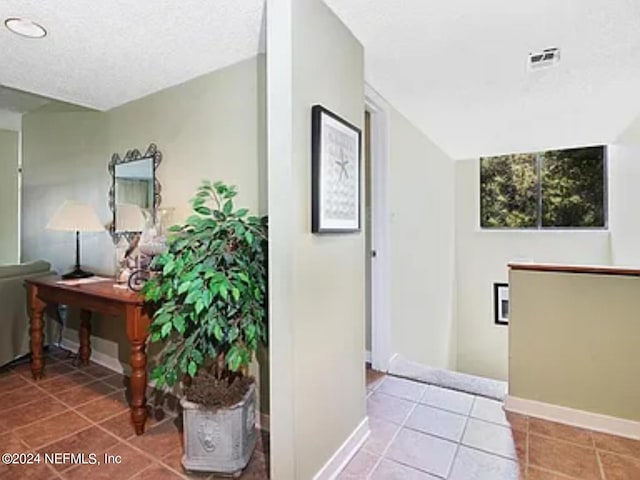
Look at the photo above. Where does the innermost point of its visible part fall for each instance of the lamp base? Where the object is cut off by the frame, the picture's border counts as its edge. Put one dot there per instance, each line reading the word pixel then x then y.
pixel 77 273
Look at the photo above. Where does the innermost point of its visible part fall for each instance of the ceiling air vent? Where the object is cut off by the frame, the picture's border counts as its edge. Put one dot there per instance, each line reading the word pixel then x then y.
pixel 546 58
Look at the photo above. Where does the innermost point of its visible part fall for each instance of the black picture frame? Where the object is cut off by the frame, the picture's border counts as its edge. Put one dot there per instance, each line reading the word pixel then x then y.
pixel 500 317
pixel 320 116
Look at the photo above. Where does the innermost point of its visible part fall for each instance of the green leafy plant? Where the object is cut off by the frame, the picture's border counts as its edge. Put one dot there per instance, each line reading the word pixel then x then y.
pixel 210 291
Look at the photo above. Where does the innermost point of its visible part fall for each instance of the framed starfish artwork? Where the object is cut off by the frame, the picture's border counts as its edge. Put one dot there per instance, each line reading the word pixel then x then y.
pixel 335 158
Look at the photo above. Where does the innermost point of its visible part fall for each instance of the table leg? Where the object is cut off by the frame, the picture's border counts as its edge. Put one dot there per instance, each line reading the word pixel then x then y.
pixel 137 331
pixel 36 331
pixel 84 353
pixel 138 385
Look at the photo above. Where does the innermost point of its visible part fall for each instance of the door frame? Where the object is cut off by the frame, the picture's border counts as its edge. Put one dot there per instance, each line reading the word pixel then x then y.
pixel 380 236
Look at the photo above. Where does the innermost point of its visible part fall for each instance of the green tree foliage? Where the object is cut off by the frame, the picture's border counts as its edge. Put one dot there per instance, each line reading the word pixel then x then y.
pixel 210 291
pixel 573 188
pixel 508 191
pixel 559 188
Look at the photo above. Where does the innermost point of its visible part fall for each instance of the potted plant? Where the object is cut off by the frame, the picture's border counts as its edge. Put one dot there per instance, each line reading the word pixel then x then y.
pixel 209 293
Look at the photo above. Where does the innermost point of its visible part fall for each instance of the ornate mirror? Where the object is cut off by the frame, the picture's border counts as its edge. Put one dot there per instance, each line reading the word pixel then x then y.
pixel 134 190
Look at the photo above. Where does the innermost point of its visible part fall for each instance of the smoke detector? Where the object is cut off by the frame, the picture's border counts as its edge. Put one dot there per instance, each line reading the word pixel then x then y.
pixel 543 59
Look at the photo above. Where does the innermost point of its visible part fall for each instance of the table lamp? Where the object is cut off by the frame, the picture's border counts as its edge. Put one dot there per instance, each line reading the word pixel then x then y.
pixel 75 217
pixel 129 218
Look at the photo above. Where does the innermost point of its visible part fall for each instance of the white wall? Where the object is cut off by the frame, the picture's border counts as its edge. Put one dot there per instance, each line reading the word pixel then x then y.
pixel 624 197
pixel 316 281
pixel 9 205
pixel 481 259
pixel 421 200
pixel 10 120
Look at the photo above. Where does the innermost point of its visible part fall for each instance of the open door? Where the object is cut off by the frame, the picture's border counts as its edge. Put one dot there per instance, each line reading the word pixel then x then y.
pixel 368 230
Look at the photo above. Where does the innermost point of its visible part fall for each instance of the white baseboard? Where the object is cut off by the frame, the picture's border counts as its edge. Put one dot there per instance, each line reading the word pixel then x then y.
pixel 103 359
pixel 347 450
pixel 578 418
pixel 367 356
pixel 392 359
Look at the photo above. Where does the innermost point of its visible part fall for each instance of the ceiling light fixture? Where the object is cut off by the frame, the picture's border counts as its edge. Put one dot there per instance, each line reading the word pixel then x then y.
pixel 25 28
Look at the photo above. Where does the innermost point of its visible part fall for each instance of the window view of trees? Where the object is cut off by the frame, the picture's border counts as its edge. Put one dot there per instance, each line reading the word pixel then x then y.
pixel 553 189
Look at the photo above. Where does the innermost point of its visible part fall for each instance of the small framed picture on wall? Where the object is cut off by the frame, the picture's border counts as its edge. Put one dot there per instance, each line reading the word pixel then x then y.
pixel 501 303
pixel 335 158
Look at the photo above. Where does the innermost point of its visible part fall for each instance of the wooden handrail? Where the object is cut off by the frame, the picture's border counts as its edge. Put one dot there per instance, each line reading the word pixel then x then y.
pixel 588 269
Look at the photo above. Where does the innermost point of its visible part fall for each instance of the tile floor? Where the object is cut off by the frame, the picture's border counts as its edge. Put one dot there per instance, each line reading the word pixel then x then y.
pixel 421 432
pixel 85 409
pixel 418 432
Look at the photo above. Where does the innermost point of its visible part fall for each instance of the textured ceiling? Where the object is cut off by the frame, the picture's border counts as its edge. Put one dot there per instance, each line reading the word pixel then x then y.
pixel 101 54
pixel 457 69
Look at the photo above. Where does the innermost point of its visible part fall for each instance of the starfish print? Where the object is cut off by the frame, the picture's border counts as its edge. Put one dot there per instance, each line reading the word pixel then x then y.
pixel 343 165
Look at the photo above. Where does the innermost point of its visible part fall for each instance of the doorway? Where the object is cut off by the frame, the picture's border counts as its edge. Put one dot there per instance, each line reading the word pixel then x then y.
pixel 369 252
pixel 376 229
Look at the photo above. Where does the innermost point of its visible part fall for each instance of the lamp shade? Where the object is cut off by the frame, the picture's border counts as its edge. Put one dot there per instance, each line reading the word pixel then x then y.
pixel 129 218
pixel 75 217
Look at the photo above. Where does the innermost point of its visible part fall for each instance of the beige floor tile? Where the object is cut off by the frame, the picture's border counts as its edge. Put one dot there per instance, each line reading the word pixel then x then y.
pixel 473 464
pixel 437 422
pixel 423 452
pixel 389 470
pixel 401 388
pixel 382 432
pixel 360 466
pixel 489 410
pixel 447 399
pixel 489 437
pixel 387 407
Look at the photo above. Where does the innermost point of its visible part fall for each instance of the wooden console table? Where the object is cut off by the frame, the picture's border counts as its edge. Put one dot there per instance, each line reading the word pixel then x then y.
pixel 100 297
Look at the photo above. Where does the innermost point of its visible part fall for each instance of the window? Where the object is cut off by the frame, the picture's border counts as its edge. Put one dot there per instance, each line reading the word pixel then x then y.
pixel 553 189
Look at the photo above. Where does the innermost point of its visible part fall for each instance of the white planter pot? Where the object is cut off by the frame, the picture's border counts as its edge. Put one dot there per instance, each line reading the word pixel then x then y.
pixel 219 440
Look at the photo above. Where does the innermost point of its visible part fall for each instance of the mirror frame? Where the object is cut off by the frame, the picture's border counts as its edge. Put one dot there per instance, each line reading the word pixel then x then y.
pixel 133 155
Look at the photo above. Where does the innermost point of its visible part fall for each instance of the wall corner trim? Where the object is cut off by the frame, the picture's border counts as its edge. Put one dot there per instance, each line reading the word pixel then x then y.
pixel 578 418
pixel 263 421
pixel 345 453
